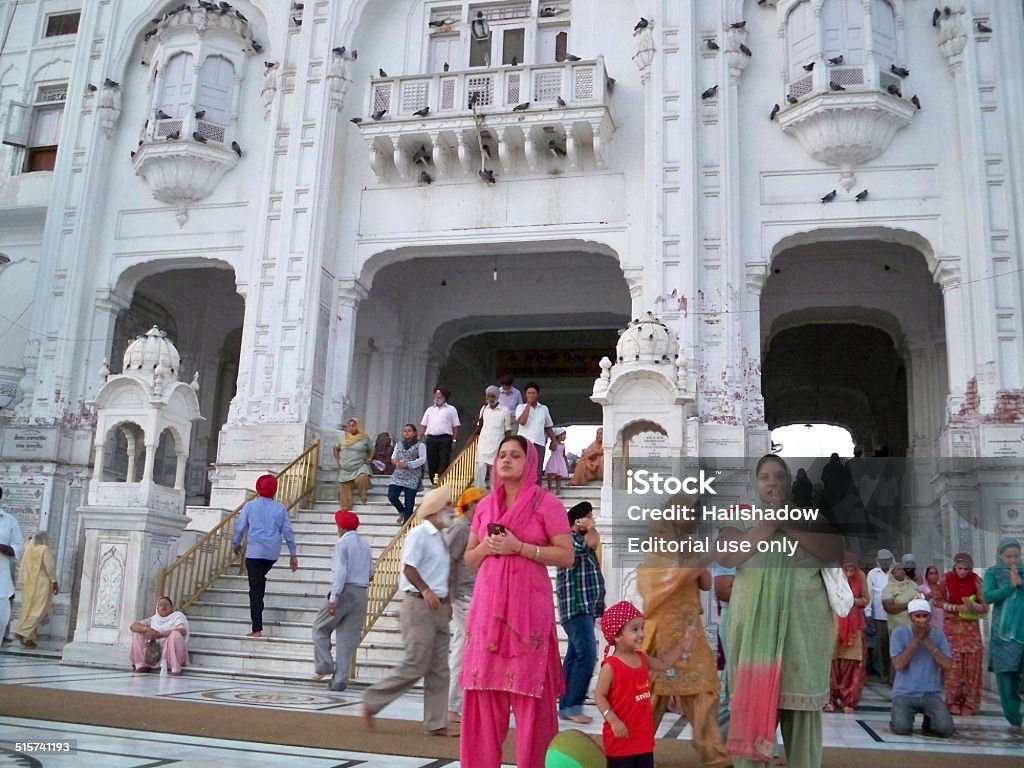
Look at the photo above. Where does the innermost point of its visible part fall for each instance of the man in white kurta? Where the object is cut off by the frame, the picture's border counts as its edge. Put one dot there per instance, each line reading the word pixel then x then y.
pixel 494 424
pixel 12 547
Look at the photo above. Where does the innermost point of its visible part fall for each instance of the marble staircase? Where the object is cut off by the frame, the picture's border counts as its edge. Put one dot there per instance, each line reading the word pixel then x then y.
pixel 219 620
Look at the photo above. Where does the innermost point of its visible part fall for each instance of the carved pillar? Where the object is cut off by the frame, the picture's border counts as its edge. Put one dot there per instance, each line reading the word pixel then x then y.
pixel 343 364
pixel 977 321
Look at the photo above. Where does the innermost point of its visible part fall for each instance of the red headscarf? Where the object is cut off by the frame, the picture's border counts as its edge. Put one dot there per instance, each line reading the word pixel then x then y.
pixel 266 486
pixel 346 520
pixel 615 618
pixel 958 589
pixel 853 622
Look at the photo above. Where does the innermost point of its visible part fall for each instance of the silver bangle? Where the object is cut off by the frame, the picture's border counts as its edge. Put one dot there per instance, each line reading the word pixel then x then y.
pixel 604 714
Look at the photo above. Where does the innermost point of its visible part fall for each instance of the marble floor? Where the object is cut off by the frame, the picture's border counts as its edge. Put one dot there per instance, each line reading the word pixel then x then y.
pixel 113 748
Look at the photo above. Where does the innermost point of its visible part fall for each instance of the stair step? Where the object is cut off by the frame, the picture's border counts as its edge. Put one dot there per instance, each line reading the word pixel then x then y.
pixel 220 618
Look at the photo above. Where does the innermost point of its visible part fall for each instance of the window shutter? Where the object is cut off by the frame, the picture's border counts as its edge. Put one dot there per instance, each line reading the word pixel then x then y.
pixel 843 26
pixel 17 124
pixel 216 86
pixel 46 126
pixel 801 38
pixel 883 29
pixel 446 48
pixel 176 99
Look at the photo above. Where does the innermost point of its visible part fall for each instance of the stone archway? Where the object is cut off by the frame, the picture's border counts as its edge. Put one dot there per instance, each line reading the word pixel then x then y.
pixel 457 320
pixel 202 312
pixel 853 333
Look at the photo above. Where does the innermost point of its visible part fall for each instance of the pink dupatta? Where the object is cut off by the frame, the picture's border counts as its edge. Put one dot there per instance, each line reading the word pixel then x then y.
pixel 511 638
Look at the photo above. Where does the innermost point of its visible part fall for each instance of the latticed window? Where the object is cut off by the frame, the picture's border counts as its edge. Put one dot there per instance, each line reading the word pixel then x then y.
pixel 482 88
pixel 547 86
pixel 415 95
pixel 381 97
pixel 583 83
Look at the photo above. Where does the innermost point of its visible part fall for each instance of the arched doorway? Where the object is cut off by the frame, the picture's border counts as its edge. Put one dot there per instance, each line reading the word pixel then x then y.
pixel 202 313
pixel 462 321
pixel 853 333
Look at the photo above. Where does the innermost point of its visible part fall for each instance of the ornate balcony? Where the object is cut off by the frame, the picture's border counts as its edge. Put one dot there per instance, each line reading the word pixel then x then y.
pixel 565 125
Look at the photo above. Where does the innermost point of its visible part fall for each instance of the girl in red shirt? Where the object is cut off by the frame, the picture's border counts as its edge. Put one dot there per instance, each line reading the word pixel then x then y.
pixel 624 689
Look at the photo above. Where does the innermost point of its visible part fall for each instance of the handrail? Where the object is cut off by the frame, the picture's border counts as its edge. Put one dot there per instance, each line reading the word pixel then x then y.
pixel 211 557
pixel 386 570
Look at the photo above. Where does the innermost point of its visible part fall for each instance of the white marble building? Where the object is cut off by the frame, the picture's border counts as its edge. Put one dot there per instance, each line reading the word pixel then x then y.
pixel 298 194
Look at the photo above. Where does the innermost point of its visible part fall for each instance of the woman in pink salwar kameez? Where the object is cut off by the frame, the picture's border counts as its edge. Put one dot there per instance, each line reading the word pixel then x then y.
pixel 510 659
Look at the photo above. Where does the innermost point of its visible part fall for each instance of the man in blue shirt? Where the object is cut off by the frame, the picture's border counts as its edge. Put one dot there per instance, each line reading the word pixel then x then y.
pixel 266 521
pixel 920 655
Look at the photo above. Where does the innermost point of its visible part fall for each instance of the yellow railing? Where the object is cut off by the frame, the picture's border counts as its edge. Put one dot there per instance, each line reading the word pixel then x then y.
pixel 459 476
pixel 211 557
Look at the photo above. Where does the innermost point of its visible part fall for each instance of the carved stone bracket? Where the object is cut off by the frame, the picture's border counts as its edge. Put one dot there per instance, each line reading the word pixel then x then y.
pixel 846 130
pixel 108 108
pixel 643 57
pixel 734 55
pixel 338 81
pixel 952 37
pixel 181 173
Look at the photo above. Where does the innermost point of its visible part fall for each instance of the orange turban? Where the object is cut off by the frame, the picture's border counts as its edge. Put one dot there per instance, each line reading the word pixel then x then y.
pixel 468 496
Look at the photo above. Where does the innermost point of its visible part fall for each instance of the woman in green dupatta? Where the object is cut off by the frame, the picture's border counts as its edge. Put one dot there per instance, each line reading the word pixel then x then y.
pixel 780 632
pixel 1003 589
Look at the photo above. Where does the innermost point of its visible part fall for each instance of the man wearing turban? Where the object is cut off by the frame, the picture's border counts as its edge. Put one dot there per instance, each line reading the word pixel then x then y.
pixel 264 522
pixel 345 612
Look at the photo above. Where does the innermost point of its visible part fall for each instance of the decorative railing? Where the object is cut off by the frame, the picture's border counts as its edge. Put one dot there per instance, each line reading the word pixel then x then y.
pixel 539 118
pixel 387 568
pixel 495 89
pixel 211 557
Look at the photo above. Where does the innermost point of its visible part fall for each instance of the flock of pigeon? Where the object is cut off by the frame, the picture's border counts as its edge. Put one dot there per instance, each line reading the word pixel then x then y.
pixel 423 158
pixel 836 61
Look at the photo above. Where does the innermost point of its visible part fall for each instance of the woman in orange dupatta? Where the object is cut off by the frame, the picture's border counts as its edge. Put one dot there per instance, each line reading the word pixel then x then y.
pixel 510 658
pixel 848 670
pixel 670 588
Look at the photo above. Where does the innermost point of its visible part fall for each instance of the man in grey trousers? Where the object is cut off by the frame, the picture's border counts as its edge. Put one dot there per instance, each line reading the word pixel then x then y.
pixel 345 612
pixel 424 616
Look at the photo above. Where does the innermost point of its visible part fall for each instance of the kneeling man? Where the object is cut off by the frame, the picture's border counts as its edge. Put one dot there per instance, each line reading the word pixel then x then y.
pixel 920 655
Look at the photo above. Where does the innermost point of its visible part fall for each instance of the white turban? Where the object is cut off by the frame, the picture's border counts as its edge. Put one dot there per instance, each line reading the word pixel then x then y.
pixel 919 604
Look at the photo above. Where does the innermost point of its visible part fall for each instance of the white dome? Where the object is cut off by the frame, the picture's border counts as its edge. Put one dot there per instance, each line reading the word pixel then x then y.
pixel 647 340
pixel 147 352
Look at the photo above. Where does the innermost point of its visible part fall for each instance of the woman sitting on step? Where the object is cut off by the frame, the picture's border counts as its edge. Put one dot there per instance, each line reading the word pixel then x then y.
pixel 160 639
